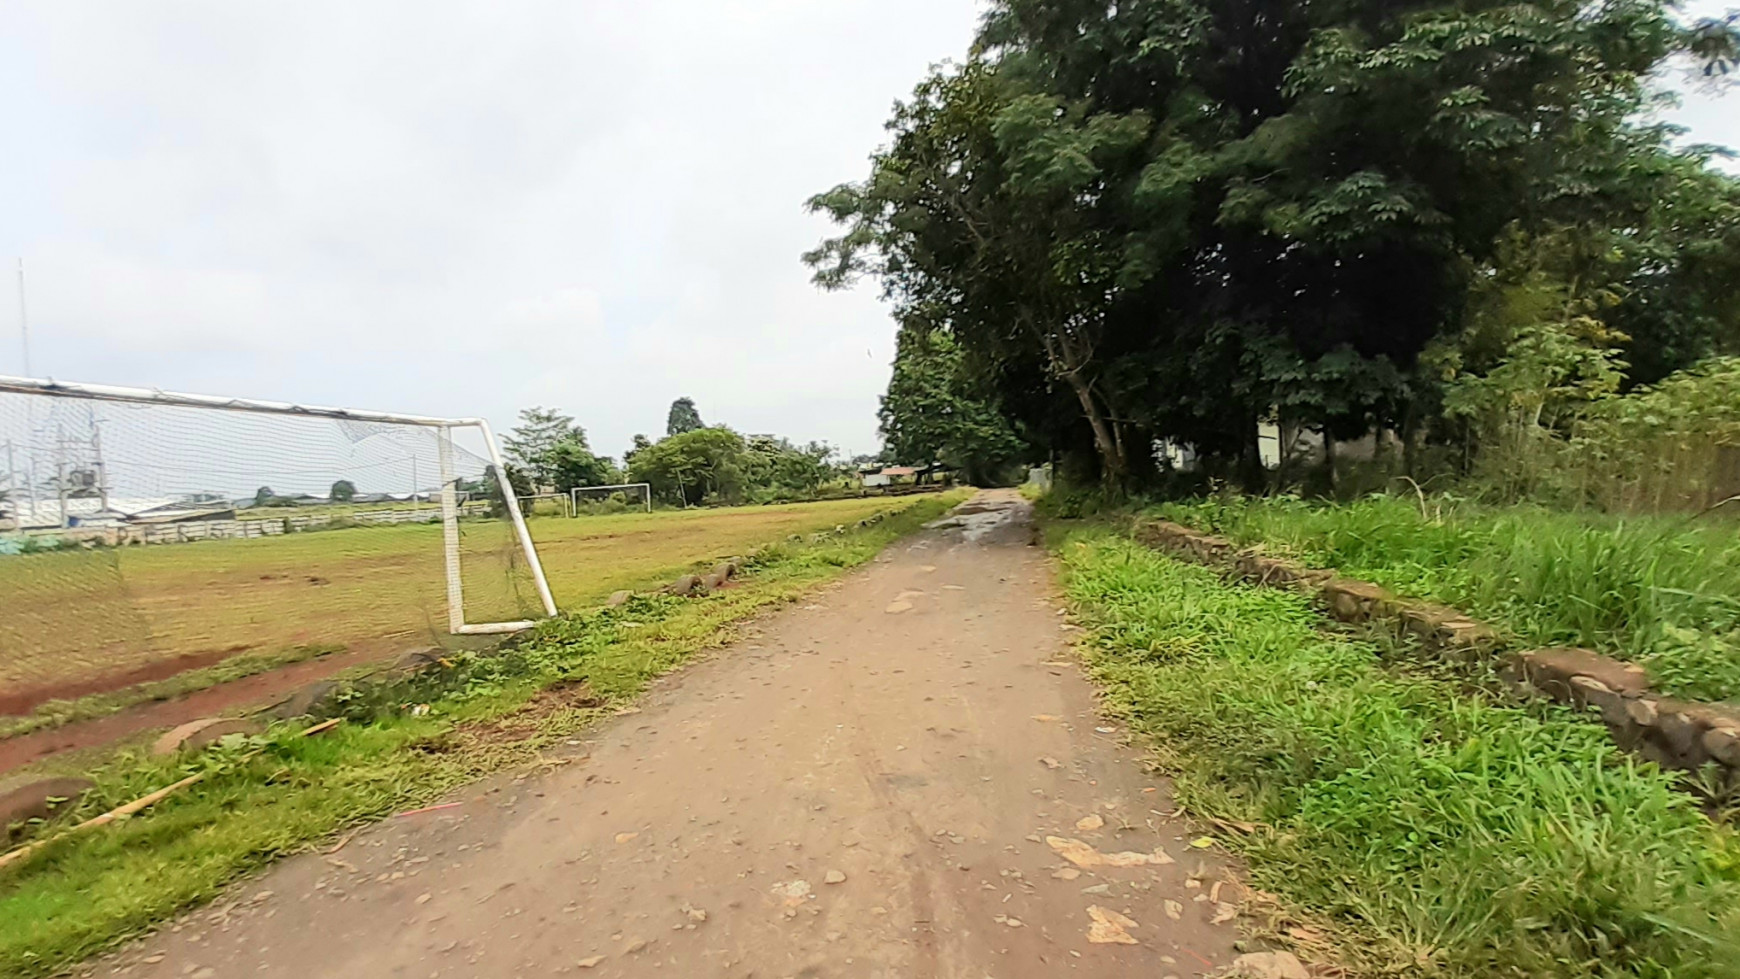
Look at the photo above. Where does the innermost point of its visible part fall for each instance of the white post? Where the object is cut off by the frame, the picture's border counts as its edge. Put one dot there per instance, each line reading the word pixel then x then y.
pixel 450 532
pixel 23 318
pixel 60 475
pixel 102 468
pixel 513 509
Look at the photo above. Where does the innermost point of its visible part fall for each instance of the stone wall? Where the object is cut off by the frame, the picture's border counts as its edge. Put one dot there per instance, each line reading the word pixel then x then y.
pixel 1671 732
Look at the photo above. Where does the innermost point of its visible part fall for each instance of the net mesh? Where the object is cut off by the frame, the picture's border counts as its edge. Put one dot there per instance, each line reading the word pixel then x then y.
pixel 139 540
pixel 590 500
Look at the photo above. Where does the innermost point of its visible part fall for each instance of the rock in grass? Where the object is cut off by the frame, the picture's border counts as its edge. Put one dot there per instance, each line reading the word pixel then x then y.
pixel 1269 965
pixel 685 585
pixel 618 599
pixel 42 798
pixel 416 661
pixel 306 701
pixel 195 735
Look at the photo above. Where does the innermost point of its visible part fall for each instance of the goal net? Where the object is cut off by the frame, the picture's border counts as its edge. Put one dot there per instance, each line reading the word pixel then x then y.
pixel 588 500
pixel 143 533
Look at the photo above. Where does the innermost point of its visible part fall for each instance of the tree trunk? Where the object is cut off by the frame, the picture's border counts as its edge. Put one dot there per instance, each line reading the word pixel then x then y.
pixel 1410 454
pixel 1252 473
pixel 1329 457
pixel 1111 459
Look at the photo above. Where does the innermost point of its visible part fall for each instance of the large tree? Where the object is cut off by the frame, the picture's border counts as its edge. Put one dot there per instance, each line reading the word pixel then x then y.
pixel 552 451
pixel 937 410
pixel 683 417
pixel 692 467
pixel 1176 218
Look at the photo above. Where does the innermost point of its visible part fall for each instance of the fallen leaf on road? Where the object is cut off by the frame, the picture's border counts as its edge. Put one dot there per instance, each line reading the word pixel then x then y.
pixel 1082 855
pixel 590 961
pixel 1089 822
pixel 1174 910
pixel 795 892
pixel 694 914
pixel 1051 763
pixel 425 898
pixel 1046 718
pixel 1202 842
pixel 834 877
pixel 1223 913
pixel 634 946
pixel 1065 873
pixel 1214 892
pixel 1004 919
pixel 1108 927
pixel 1270 965
pixel 625 837
pixel 895 608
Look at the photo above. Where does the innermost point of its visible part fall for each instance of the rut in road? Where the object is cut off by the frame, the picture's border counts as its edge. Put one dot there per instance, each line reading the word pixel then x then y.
pixel 898 779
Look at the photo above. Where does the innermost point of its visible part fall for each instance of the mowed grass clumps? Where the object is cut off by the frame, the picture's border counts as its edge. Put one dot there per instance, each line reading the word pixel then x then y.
pixel 270 796
pixel 1450 834
pixel 1660 591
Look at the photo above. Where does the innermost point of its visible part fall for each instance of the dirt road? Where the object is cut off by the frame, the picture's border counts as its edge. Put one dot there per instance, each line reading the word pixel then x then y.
pixel 896 780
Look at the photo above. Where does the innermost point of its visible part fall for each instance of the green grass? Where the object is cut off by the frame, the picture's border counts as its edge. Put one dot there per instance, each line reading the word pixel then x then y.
pixel 1447 834
pixel 271 796
pixel 1661 591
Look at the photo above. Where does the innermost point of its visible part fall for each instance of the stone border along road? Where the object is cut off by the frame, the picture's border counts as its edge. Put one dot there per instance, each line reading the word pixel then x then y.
pixel 903 778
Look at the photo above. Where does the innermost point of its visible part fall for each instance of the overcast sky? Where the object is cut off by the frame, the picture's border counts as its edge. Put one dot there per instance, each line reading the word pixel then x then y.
pixel 465 208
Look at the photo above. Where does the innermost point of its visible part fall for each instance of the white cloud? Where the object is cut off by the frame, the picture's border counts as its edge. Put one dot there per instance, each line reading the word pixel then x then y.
pixel 458 208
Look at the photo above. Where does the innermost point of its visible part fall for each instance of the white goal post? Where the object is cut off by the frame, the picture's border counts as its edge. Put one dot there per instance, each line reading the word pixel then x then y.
pixel 441 428
pixel 574 494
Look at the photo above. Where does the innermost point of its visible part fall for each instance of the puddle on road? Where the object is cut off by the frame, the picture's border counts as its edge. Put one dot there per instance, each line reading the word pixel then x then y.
pixel 975 520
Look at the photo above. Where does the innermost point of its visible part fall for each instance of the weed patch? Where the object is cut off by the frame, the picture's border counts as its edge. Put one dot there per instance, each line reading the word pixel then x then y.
pixel 1452 833
pixel 1660 591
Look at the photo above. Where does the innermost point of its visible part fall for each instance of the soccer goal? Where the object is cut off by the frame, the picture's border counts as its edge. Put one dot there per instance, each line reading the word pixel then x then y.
pixel 139 526
pixel 584 499
pixel 562 505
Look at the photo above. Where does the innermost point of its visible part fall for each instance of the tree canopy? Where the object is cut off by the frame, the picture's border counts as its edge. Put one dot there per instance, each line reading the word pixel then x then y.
pixel 684 417
pixel 343 491
pixel 552 451
pixel 1170 219
pixel 937 410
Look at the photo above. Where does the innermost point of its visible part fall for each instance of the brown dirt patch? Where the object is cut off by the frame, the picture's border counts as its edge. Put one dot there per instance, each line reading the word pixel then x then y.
pixel 19 702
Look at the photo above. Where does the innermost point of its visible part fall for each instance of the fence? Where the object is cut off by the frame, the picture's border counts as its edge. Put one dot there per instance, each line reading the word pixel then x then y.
pixel 197 530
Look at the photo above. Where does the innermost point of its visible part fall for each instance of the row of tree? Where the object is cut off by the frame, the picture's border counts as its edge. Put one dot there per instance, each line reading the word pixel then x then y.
pixel 694 463
pixel 1120 224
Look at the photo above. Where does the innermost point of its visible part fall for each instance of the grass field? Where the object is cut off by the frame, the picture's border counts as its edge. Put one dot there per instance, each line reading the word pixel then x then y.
pixel 1439 831
pixel 72 617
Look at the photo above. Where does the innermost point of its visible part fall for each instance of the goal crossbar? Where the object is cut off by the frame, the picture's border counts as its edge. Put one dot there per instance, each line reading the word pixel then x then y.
pixel 449 495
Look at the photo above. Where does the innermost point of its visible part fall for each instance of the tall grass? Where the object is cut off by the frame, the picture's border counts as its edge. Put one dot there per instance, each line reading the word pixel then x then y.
pixel 1662 591
pixel 1453 836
